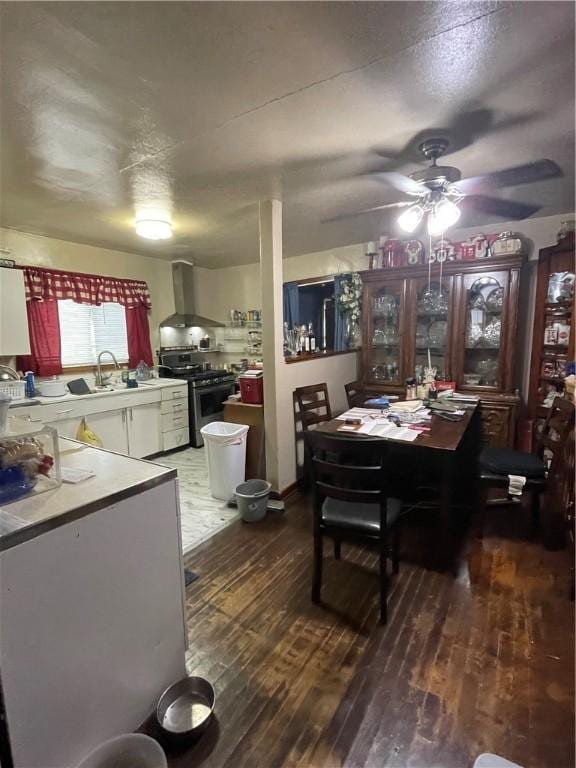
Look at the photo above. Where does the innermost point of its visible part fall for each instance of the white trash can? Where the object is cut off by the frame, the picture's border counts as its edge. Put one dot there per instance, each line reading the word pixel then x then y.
pixel 126 751
pixel 226 455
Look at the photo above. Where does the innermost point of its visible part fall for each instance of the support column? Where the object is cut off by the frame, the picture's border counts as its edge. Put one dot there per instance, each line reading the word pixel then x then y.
pixel 270 220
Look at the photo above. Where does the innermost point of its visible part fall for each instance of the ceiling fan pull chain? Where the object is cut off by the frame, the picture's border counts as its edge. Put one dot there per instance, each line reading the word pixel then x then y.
pixel 441 259
pixel 429 261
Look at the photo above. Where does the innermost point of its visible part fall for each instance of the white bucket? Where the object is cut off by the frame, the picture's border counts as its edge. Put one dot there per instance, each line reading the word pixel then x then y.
pixel 226 456
pixel 126 751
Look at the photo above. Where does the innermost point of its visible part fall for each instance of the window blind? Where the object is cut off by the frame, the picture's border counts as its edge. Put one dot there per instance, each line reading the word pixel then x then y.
pixel 85 330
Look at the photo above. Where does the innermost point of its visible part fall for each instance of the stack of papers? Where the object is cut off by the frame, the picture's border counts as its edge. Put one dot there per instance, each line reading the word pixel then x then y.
pixel 406 406
pixel 391 432
pixel 382 428
pixel 359 413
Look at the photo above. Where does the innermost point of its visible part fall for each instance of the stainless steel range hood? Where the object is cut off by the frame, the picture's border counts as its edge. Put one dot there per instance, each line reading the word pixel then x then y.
pixel 185 316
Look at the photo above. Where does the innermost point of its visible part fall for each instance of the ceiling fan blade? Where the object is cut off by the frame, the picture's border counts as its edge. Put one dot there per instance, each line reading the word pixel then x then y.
pixel 343 216
pixel 507 209
pixel 399 181
pixel 540 170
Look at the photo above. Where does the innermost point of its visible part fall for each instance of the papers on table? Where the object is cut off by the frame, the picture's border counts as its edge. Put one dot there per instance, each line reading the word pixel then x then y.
pixel 391 431
pixel 376 424
pixel 359 413
pixel 406 406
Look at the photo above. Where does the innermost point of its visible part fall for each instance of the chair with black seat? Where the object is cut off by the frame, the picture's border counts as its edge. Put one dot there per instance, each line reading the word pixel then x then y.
pixel 351 501
pixel 496 464
pixel 313 405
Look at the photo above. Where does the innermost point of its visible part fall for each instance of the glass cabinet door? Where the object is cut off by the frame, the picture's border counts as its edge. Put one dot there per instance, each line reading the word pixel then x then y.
pixel 485 299
pixel 385 331
pixel 433 304
pixel 557 344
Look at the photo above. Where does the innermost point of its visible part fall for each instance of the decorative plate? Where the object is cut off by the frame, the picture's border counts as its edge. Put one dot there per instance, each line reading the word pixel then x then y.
pixel 482 249
pixel 495 299
pixel 414 251
pixel 477 301
pixel 491 335
pixel 473 335
pixel 443 251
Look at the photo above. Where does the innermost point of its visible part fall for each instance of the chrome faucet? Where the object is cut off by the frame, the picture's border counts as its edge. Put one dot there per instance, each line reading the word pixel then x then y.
pixel 103 379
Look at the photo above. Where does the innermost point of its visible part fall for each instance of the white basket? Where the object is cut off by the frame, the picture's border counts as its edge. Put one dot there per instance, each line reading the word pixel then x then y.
pixel 14 389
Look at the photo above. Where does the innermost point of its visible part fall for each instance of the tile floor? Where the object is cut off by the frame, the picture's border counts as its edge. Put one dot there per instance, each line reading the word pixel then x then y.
pixel 202 515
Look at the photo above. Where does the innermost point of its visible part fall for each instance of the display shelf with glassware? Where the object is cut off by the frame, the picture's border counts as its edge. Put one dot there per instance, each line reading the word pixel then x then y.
pixel 386 310
pixel 553 334
pixel 458 319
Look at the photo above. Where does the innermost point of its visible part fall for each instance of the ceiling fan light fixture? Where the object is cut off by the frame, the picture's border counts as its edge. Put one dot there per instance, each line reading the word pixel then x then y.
pixel 443 215
pixel 411 218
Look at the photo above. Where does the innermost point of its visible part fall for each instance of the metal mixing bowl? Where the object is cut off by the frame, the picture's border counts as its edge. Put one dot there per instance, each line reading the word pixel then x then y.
pixel 185 708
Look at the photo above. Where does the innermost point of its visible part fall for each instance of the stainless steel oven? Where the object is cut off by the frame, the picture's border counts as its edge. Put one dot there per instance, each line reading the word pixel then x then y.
pixel 207 405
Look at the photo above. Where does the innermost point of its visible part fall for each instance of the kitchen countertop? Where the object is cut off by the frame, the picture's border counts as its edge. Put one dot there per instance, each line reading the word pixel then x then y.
pixel 120 390
pixel 116 477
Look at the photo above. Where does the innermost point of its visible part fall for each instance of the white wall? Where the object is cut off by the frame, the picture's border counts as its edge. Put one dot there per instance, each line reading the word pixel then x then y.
pixel 336 372
pixel 60 254
pixel 219 290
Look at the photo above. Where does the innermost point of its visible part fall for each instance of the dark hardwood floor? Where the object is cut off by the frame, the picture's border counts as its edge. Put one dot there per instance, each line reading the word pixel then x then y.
pixel 478 663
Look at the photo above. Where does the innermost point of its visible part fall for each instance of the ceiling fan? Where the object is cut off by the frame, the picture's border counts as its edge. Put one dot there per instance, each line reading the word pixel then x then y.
pixel 439 191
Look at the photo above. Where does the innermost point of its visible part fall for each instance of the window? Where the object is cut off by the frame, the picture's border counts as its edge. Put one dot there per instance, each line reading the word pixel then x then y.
pixel 85 330
pixel 312 303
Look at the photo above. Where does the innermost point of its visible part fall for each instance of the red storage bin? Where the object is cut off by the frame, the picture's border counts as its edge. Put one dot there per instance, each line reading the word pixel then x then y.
pixel 252 389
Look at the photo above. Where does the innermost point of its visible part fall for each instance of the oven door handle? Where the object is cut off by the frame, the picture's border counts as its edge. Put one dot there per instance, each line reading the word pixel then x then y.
pixel 212 388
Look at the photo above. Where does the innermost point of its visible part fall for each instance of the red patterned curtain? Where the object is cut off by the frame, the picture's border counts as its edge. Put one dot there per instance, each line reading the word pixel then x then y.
pixel 53 284
pixel 45 287
pixel 44 328
pixel 138 332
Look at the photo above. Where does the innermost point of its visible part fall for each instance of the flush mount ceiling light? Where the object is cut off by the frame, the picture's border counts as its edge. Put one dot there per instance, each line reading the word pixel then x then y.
pixel 153 228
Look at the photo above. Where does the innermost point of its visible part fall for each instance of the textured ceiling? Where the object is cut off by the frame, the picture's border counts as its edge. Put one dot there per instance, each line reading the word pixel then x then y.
pixel 205 108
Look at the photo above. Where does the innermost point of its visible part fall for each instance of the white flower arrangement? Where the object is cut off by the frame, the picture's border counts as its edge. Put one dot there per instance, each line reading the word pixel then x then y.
pixel 350 298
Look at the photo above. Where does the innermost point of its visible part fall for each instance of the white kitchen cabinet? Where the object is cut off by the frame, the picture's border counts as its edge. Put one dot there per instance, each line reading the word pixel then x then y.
pixel 175 438
pixel 14 339
pixel 138 423
pixel 143 422
pixel 111 428
pixel 66 427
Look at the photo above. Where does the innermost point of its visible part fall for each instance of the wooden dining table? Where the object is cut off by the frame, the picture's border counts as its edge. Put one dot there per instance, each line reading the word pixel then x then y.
pixel 449 452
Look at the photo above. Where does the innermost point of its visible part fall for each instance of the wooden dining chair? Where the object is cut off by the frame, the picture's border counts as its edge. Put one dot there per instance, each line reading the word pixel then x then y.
pixel 495 464
pixel 313 405
pixel 355 395
pixel 351 502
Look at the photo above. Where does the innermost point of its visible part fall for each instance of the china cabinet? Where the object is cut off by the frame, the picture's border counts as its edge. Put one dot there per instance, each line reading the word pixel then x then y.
pixel 553 336
pixel 463 322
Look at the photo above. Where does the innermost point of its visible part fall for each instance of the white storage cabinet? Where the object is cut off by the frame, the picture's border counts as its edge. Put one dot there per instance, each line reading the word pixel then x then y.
pixel 138 424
